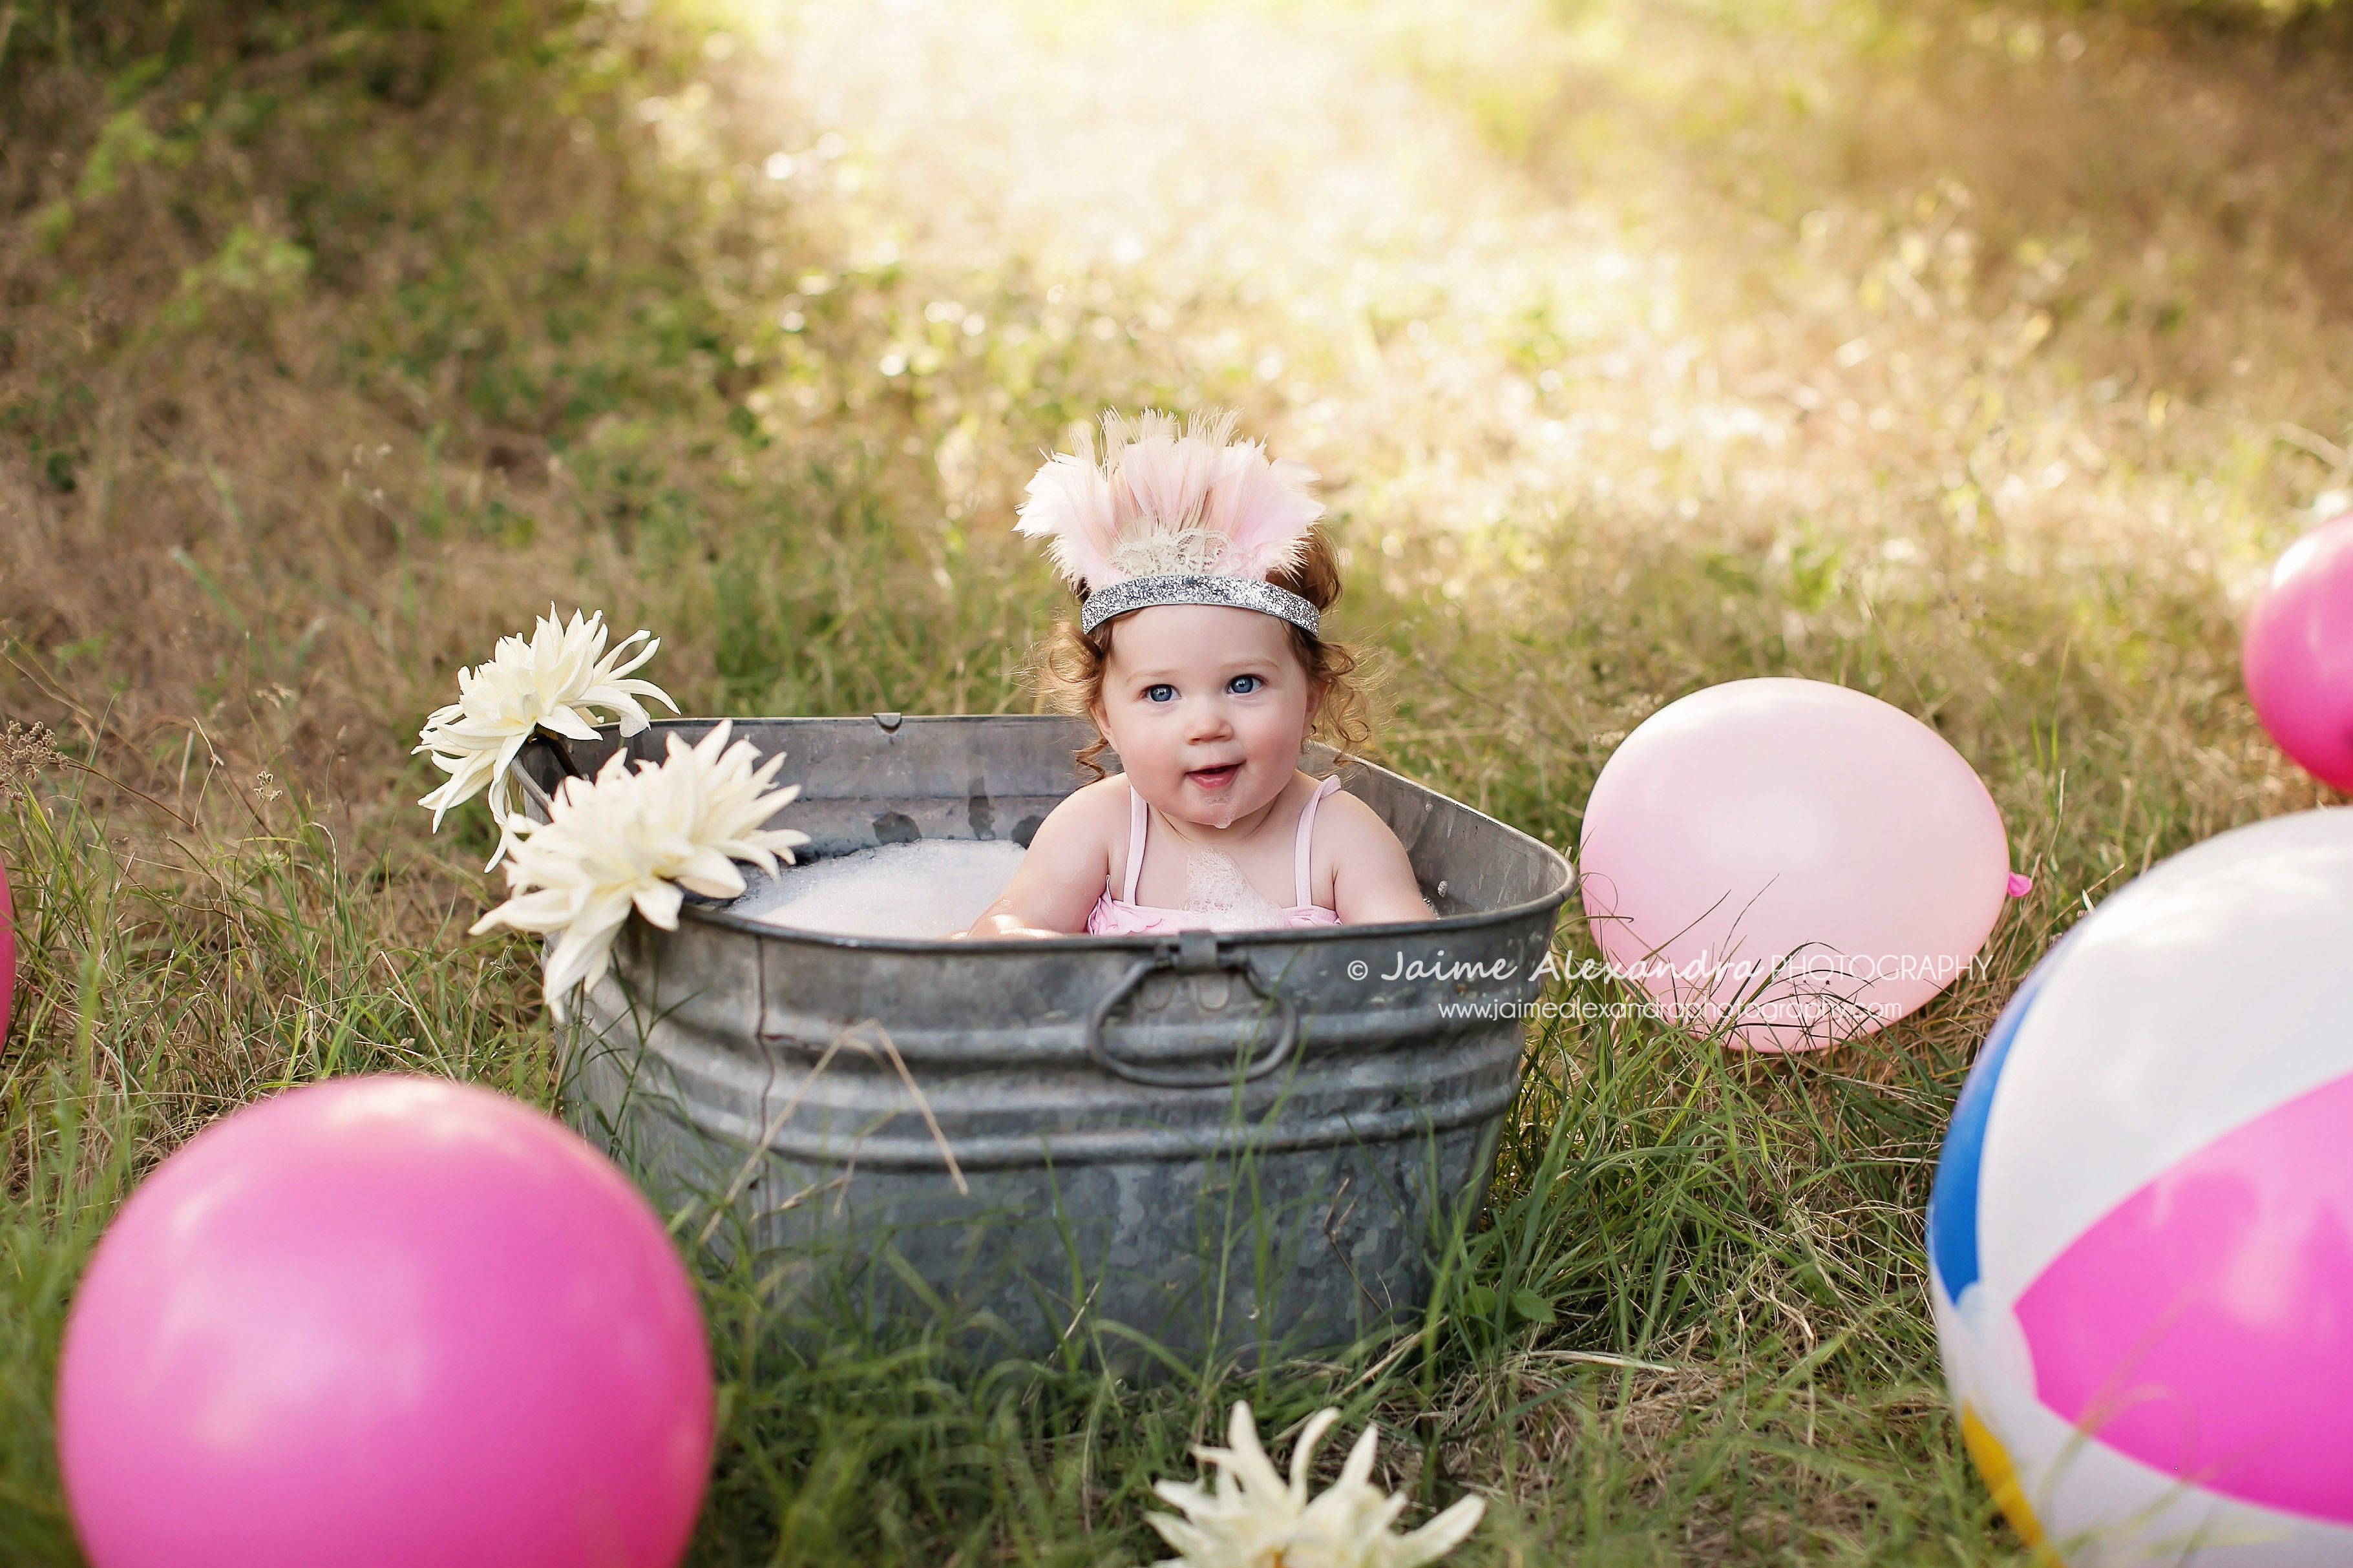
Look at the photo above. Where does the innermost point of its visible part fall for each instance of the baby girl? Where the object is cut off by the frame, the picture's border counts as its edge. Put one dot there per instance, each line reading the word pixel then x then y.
pixel 1200 656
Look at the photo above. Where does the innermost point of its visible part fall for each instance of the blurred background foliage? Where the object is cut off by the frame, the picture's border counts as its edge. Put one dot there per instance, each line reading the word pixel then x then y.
pixel 1978 355
pixel 448 251
pixel 333 327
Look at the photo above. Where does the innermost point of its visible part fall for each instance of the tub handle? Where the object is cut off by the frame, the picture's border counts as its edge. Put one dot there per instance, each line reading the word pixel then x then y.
pixel 1193 952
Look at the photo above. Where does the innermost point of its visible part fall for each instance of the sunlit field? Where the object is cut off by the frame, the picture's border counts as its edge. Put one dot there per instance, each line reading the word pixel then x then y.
pixel 1978 357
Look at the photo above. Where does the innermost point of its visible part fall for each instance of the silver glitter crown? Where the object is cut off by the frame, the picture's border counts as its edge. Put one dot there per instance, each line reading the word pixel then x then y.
pixel 1198 588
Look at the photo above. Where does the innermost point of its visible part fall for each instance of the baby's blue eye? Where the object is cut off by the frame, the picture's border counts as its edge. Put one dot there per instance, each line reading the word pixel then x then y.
pixel 1243 685
pixel 1161 693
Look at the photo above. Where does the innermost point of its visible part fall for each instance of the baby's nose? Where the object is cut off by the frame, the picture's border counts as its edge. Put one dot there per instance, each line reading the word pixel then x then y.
pixel 1210 720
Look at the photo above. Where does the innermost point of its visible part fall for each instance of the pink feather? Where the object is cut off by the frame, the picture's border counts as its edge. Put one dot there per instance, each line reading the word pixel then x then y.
pixel 1264 509
pixel 1070 507
pixel 1150 482
pixel 1163 480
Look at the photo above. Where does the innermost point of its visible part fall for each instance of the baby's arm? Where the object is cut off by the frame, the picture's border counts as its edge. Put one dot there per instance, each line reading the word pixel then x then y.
pixel 1062 874
pixel 1372 880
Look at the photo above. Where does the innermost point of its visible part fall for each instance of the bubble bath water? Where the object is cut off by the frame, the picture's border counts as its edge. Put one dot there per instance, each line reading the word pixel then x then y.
pixel 927 889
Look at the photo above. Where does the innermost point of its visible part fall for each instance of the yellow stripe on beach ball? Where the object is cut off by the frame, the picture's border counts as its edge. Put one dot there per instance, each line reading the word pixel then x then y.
pixel 2002 1479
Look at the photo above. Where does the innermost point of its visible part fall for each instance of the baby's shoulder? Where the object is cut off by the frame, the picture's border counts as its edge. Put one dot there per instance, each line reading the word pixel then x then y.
pixel 1352 821
pixel 1092 811
pixel 1107 793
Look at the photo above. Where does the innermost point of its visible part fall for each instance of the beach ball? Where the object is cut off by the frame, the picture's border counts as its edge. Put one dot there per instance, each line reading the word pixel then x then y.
pixel 384 1323
pixel 2140 1240
pixel 2298 653
pixel 1789 859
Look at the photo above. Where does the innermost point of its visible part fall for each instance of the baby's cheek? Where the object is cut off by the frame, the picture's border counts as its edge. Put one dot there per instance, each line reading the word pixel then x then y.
pixel 1156 760
pixel 1278 731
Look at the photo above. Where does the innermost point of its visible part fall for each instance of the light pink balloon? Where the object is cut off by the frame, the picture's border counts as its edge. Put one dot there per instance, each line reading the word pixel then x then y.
pixel 385 1323
pixel 2298 653
pixel 1804 861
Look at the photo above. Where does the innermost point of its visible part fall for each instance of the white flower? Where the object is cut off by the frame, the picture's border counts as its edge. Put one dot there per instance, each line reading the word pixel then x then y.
pixel 625 840
pixel 1255 1519
pixel 554 682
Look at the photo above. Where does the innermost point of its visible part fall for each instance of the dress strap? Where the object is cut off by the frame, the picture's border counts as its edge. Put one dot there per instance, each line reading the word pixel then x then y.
pixel 1306 833
pixel 1135 819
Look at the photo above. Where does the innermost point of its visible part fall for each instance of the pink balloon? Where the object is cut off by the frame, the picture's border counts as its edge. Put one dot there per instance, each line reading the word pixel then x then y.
pixel 2298 653
pixel 385 1323
pixel 1803 861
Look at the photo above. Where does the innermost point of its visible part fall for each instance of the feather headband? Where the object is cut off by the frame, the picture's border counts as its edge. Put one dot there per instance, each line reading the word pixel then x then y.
pixel 1165 518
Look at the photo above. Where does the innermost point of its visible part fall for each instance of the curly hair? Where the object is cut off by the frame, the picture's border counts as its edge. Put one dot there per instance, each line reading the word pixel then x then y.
pixel 1071 671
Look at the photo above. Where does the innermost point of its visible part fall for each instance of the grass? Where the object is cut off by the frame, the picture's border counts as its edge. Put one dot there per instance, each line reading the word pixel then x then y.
pixel 1644 344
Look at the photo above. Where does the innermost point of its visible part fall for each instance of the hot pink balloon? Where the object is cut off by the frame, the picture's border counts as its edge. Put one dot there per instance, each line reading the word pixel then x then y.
pixel 2298 653
pixel 380 1323
pixel 1803 861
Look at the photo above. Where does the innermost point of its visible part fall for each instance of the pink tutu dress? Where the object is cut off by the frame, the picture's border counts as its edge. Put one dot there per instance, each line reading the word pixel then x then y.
pixel 1124 916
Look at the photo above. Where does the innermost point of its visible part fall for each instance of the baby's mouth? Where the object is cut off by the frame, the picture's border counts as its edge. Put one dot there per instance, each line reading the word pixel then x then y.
pixel 1215 779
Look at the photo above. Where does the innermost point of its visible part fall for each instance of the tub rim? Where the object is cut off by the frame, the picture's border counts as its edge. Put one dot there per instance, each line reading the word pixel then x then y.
pixel 724 920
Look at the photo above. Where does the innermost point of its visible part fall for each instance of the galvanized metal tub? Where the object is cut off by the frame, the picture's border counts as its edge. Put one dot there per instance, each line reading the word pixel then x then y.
pixel 1247 1144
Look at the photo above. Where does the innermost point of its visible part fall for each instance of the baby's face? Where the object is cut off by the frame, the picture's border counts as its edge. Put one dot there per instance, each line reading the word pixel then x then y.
pixel 1207 706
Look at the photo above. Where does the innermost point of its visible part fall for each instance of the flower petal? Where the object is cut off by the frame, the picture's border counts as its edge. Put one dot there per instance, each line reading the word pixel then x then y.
pixel 1302 1451
pixel 1440 1535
